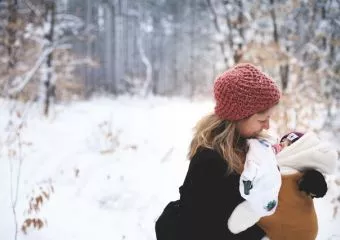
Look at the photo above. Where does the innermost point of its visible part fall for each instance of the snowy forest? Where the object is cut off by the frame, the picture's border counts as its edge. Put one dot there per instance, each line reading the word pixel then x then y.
pixel 90 89
pixel 58 49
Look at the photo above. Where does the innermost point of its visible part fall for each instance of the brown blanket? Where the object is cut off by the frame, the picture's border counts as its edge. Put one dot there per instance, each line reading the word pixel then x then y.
pixel 295 217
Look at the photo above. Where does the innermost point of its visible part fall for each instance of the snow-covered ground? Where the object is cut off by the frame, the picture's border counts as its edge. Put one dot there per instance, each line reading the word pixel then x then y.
pixel 113 165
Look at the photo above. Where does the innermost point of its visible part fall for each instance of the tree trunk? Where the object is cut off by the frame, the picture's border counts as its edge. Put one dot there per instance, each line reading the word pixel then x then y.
pixel 323 17
pixel 48 84
pixel 175 49
pixel 155 53
pixel 88 70
pixel 273 16
pixel 284 75
pixel 238 53
pixel 219 30
pixel 192 77
pixel 332 48
pixel 240 18
pixel 148 66
pixel 109 47
pixel 11 30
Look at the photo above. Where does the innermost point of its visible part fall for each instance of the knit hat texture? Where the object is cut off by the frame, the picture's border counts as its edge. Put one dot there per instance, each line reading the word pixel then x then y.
pixel 243 91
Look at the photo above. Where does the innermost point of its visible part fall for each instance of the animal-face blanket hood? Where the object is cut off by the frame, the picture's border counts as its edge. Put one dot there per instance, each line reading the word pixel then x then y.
pixel 295 216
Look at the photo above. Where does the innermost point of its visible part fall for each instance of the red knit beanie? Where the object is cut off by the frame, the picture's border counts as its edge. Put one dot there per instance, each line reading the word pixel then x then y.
pixel 243 91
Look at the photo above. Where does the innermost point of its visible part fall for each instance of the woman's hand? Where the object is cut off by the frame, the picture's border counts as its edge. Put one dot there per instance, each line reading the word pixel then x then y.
pixel 313 183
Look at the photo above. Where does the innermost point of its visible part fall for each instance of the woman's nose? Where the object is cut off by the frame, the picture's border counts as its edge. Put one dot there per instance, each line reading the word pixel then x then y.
pixel 266 125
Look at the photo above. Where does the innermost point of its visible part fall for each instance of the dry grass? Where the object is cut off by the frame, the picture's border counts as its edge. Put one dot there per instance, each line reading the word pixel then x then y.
pixel 36 202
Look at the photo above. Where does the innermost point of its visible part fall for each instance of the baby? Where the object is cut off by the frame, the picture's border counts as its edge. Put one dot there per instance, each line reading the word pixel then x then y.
pixel 260 180
pixel 286 141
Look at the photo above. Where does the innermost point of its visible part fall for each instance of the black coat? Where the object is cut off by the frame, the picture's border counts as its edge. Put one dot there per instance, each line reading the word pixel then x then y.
pixel 208 197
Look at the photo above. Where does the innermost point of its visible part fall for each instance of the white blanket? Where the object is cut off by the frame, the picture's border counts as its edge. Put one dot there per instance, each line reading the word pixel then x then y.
pixel 309 152
pixel 260 180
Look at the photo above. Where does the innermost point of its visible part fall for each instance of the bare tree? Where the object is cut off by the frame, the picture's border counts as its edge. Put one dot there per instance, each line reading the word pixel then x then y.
pixel 284 63
pixel 48 33
pixel 220 32
pixel 192 49
pixel 11 29
pixel 110 55
pixel 47 78
pixel 273 16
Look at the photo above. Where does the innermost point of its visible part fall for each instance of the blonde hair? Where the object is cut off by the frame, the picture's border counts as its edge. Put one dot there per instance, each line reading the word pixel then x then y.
pixel 220 135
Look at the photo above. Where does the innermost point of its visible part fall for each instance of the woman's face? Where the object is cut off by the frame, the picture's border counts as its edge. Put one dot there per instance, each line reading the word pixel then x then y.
pixel 253 125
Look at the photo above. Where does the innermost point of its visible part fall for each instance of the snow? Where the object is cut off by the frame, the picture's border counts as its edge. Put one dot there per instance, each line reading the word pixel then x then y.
pixel 113 163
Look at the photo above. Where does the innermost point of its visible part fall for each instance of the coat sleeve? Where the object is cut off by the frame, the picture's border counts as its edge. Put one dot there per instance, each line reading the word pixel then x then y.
pixel 208 199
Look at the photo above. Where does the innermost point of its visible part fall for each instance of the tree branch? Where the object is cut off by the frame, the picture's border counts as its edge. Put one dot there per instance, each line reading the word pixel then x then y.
pixel 31 73
pixel 34 9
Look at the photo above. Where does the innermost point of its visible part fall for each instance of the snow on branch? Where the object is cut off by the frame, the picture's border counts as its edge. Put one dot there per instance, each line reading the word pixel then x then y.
pixel 30 74
pixel 34 9
pixel 148 66
pixel 214 15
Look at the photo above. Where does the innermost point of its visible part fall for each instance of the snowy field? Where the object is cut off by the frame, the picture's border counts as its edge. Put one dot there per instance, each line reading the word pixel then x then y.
pixel 112 163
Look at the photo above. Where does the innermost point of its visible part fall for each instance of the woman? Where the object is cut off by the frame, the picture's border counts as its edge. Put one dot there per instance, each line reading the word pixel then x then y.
pixel 245 101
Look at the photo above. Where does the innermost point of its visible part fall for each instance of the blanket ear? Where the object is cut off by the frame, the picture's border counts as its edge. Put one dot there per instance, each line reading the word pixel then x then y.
pixel 242 218
pixel 313 183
